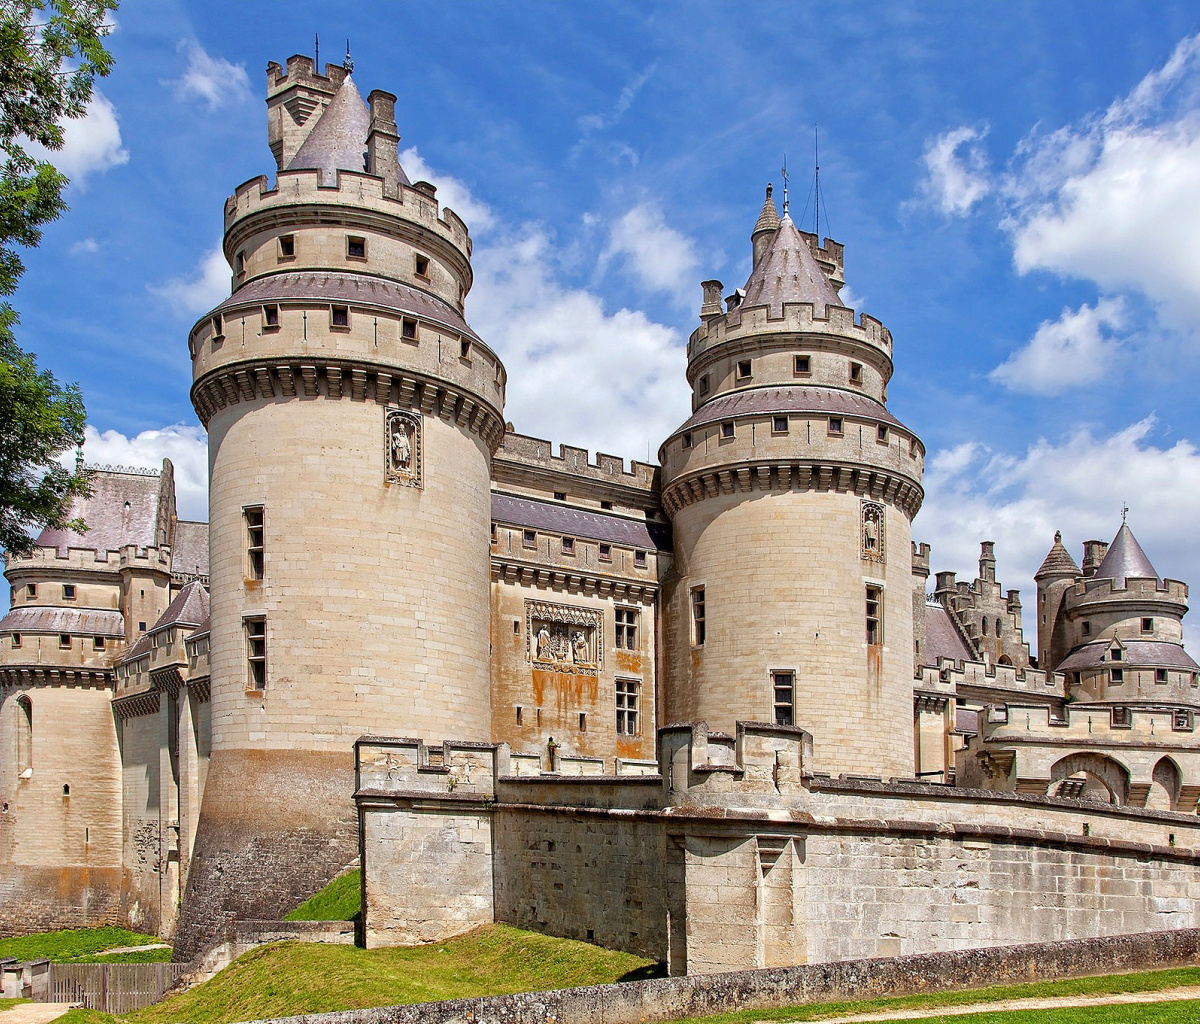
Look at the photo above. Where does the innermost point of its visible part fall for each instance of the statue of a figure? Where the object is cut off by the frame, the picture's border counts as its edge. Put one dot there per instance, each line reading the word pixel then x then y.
pixel 401 446
pixel 578 647
pixel 543 645
pixel 871 534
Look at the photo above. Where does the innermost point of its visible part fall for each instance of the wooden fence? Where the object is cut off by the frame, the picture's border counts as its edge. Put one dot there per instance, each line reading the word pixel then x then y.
pixel 112 988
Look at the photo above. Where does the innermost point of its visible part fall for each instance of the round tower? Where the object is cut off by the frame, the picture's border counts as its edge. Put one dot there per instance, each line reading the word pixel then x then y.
pixel 352 414
pixel 792 490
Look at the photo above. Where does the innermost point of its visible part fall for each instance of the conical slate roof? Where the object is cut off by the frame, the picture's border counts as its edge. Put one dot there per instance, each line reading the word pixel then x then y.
pixel 1125 558
pixel 339 140
pixel 1058 562
pixel 768 220
pixel 788 272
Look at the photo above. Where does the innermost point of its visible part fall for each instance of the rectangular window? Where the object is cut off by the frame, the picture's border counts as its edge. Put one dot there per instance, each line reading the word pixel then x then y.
pixel 835 425
pixel 1116 654
pixel 1116 675
pixel 856 373
pixel 685 442
pixel 464 349
pixel 702 385
pixel 30 590
pixel 1087 629
pixel 779 424
pixel 518 716
pixel 529 538
pixel 1120 717
pixel 874 615
pixel 421 266
pixel 239 263
pixel 628 692
pixel 255 535
pixel 68 591
pixel 16 640
pixel 583 721
pixel 743 369
pixel 408 329
pixel 568 545
pixel 98 643
pixel 270 316
pixel 64 641
pixel 560 495
pixel 639 559
pixel 606 552
pixel 881 435
pixel 256 653
pixel 606 505
pixel 218 327
pixel 356 247
pixel 1182 721
pixel 627 627
pixel 804 364
pixel 1160 675
pixel 699 623
pixel 1147 625
pixel 784 686
pixel 287 247
pixel 339 316
pixel 727 430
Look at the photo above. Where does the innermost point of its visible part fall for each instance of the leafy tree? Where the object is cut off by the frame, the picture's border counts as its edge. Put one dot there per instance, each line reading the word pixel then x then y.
pixel 50 54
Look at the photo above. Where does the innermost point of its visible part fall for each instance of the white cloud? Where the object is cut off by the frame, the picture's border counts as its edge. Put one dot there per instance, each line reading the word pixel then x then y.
pixel 198 292
pixel 216 81
pixel 656 255
pixel 1075 484
pixel 1113 199
pixel 608 381
pixel 955 170
pixel 590 125
pixel 451 192
pixel 91 144
pixel 1076 349
pixel 84 247
pixel 186 447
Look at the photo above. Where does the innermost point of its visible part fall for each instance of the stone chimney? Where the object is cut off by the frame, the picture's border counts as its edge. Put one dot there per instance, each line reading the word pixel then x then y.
pixel 1093 554
pixel 383 141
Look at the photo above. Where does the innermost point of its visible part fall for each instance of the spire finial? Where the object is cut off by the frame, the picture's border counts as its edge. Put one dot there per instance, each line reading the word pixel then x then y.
pixel 1124 513
pixel 770 189
pixel 785 186
pixel 348 63
pixel 1058 536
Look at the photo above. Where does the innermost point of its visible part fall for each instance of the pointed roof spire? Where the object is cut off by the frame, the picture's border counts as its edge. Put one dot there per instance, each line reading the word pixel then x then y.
pixel 768 219
pixel 1124 559
pixel 339 139
pixel 788 272
pixel 1058 562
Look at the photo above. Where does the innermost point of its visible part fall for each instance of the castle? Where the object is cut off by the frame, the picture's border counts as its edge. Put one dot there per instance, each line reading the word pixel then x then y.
pixel 705 710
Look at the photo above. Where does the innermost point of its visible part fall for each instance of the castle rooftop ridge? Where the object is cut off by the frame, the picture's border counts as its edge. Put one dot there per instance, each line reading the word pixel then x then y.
pixel 793 316
pixel 526 449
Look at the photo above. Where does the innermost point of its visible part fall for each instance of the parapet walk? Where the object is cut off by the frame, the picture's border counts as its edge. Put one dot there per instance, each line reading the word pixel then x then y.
pixel 669 999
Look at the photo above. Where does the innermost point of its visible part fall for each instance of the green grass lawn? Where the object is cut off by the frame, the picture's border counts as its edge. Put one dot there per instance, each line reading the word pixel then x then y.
pixel 1183 1011
pixel 300 977
pixel 81 945
pixel 340 900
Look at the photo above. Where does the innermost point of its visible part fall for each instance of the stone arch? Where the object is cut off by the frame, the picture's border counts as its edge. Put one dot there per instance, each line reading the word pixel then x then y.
pixel 1090 776
pixel 1004 660
pixel 1164 787
pixel 24 735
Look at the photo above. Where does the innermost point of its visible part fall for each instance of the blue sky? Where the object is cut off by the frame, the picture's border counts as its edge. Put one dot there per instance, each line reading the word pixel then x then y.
pixel 1016 185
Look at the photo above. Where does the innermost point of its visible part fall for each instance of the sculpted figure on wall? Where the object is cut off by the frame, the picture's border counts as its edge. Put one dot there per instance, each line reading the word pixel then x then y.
pixel 872 531
pixel 563 637
pixel 403 447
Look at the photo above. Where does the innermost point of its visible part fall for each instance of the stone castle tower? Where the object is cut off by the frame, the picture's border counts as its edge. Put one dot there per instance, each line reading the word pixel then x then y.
pixel 791 490
pixel 352 415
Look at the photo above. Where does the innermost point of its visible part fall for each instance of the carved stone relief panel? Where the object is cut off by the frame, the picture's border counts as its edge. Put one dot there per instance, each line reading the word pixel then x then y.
pixel 562 637
pixel 873 522
pixel 403 447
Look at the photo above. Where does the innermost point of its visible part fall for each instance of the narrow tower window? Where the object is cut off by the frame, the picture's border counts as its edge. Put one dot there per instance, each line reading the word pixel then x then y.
pixel 24 737
pixel 339 316
pixel 606 552
pixel 804 364
pixel 16 640
pixel 784 686
pixel 685 442
pixel 779 424
pixel 627 625
pixel 270 316
pixel 874 615
pixel 743 369
pixel 68 591
pixel 835 425
pixel 627 706
pixel 1147 625
pixel 256 653
pixel 287 247
pixel 408 329
pixel 568 545
pixel 856 375
pixel 727 430
pixel 255 536
pixel 882 434
pixel 698 616
pixel 702 385
pixel 30 591
pixel 422 266
pixel 356 247
pixel 64 641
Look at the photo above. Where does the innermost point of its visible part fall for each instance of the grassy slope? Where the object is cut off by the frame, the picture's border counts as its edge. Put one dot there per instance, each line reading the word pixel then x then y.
pixel 298 977
pixel 8 1004
pixel 76 945
pixel 340 900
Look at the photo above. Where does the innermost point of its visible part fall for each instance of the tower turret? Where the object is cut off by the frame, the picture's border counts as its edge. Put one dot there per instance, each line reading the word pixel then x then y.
pixel 352 414
pixel 1057 574
pixel 791 490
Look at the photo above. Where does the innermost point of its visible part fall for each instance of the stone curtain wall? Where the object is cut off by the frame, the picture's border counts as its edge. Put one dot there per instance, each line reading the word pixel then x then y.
pixel 669 999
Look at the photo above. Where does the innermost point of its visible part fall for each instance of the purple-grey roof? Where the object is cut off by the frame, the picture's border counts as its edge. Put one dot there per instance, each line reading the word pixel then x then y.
pixel 822 401
pixel 942 640
pixel 788 272
pixel 338 141
pixel 1125 559
pixel 189 556
pixel 768 218
pixel 86 621
pixel 188 608
pixel 140 648
pixel 1058 562
pixel 966 722
pixel 1138 654
pixel 569 521
pixel 122 510
pixel 324 286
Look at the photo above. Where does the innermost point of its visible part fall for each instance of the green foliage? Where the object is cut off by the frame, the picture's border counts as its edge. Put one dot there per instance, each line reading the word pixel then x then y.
pixel 290 978
pixel 340 900
pixel 51 52
pixel 75 945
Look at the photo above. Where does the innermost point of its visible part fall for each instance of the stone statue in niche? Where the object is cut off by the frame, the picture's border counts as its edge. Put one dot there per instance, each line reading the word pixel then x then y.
pixel 562 637
pixel 873 531
pixel 403 447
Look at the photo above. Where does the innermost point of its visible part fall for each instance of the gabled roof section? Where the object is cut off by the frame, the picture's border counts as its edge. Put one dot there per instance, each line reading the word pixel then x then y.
pixel 122 509
pixel 570 521
pixel 189 608
pixel 189 555
pixel 339 140
pixel 1124 559
pixel 942 638
pixel 788 272
pixel 1058 562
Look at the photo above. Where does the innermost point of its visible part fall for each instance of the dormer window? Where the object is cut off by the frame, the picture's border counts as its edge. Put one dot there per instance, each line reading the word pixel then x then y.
pixel 1116 654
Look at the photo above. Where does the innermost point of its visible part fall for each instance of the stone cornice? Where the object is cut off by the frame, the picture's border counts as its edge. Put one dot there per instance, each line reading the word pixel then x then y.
pixel 135 705
pixel 232 383
pixel 22 676
pixel 882 485
pixel 515 571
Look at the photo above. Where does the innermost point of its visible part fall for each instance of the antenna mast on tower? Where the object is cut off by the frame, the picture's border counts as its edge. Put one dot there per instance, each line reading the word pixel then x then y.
pixel 316 53
pixel 785 185
pixel 816 185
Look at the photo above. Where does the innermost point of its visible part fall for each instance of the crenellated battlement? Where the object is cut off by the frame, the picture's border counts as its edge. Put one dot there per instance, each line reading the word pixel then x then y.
pixel 1094 591
pixel 798 317
pixel 760 758
pixel 577 462
pixel 42 560
pixel 981 675
pixel 920 558
pixel 133 558
pixel 301 71
pixel 1088 724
